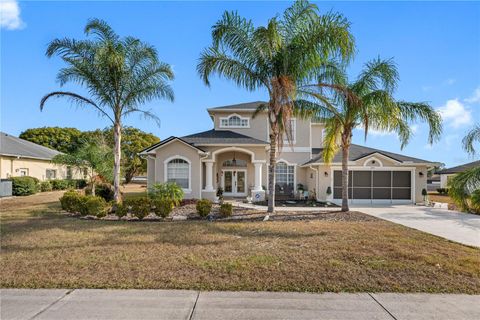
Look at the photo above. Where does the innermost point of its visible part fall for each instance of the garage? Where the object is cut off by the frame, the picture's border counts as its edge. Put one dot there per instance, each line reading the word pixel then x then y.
pixel 370 185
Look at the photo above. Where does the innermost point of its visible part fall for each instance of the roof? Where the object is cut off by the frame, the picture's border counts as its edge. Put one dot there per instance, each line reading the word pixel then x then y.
pixel 247 106
pixel 163 142
pixel 358 152
pixel 461 168
pixel 221 137
pixel 16 147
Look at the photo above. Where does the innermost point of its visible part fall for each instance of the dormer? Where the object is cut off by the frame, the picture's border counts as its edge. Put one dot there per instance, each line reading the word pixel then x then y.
pixel 234 121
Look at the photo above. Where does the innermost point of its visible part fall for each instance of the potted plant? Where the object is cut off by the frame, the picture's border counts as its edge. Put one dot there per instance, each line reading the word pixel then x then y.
pixel 220 194
pixel 329 190
pixel 300 190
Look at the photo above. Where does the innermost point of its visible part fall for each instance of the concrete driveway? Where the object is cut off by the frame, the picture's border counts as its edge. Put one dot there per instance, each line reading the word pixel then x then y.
pixel 456 226
pixel 188 305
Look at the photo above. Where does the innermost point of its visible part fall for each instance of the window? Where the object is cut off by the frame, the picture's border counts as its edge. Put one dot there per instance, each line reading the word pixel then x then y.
pixel 293 130
pixel 178 171
pixel 23 172
pixel 284 178
pixel 69 173
pixel 51 174
pixel 234 121
pixel 234 163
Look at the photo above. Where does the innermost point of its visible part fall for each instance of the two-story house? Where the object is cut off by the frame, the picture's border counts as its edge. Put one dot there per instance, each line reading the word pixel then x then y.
pixel 234 156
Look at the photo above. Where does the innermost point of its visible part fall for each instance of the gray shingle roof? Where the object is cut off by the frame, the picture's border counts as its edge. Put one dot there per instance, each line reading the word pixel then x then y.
pixel 461 168
pixel 247 106
pixel 220 137
pixel 357 152
pixel 13 146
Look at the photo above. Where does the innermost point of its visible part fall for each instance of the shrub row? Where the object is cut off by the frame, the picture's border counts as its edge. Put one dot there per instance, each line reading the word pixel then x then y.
pixel 24 186
pixel 204 207
pixel 74 202
pixel 141 207
pixel 442 191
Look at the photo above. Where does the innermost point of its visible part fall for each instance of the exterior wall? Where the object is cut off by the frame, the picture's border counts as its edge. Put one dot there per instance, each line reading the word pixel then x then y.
pixel 10 167
pixel 317 135
pixel 444 179
pixel 258 126
pixel 150 171
pixel 420 182
pixel 174 149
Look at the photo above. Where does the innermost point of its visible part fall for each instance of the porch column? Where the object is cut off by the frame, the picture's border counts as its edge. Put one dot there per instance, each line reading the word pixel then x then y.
pixel 258 177
pixel 209 176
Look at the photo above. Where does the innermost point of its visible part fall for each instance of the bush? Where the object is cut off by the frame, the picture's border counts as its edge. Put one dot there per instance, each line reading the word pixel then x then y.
pixel 60 184
pixel 103 190
pixel 93 206
pixel 71 201
pixel 121 210
pixel 226 209
pixel 24 186
pixel 169 191
pixel 442 191
pixel 45 186
pixel 162 207
pixel 139 207
pixel 204 207
pixel 80 183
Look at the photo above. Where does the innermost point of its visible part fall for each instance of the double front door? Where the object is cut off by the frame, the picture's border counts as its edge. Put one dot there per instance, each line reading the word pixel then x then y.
pixel 234 183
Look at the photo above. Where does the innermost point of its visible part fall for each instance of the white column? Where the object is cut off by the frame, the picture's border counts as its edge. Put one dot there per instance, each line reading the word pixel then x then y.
pixel 209 176
pixel 258 177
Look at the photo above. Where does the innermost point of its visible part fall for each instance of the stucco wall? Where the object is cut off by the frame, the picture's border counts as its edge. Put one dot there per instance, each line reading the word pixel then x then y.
pixel 174 149
pixel 258 125
pixel 10 167
pixel 317 135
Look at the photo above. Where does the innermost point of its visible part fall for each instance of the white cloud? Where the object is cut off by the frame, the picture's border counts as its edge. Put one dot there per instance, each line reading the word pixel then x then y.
pixel 455 114
pixel 10 15
pixel 475 97
pixel 449 81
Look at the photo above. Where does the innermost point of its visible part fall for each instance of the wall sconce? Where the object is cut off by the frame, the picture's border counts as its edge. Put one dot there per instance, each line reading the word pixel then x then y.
pixel 311 175
pixel 325 174
pixel 420 174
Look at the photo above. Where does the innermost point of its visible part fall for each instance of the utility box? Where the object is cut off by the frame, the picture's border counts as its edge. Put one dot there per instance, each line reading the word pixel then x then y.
pixel 5 188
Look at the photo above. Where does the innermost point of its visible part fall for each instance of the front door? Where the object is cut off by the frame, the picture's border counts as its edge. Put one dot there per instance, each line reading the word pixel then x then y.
pixel 234 183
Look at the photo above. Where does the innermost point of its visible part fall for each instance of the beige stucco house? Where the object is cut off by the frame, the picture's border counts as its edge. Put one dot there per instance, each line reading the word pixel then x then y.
pixel 20 157
pixel 234 156
pixel 447 174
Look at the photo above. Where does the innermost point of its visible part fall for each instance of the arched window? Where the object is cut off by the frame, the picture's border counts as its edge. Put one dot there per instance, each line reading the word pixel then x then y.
pixel 178 171
pixel 234 121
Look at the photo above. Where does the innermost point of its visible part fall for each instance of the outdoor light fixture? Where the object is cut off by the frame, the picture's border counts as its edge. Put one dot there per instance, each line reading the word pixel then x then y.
pixel 420 174
pixel 326 174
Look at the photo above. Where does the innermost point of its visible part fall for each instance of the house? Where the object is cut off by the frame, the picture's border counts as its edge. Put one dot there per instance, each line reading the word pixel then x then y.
pixel 234 155
pixel 20 157
pixel 448 173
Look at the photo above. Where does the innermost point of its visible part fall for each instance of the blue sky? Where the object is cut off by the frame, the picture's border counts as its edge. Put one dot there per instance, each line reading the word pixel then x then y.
pixel 435 44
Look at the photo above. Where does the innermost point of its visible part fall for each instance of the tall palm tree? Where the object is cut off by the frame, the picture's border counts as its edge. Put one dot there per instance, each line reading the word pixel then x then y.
pixel 464 188
pixel 366 103
pixel 277 58
pixel 120 74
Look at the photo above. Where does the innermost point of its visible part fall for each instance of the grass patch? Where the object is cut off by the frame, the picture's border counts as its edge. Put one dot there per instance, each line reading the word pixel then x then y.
pixel 42 248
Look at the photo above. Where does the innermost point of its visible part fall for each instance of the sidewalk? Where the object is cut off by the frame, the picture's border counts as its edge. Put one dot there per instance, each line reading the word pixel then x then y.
pixel 178 304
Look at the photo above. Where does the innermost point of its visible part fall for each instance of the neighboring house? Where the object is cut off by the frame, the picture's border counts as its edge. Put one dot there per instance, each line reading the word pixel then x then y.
pixel 20 157
pixel 447 174
pixel 433 182
pixel 234 156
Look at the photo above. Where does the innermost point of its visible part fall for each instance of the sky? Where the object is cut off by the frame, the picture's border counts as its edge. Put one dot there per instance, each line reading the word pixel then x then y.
pixel 436 46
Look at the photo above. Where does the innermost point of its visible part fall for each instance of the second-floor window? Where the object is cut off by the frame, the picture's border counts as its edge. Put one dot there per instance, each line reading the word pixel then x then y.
pixel 234 121
pixel 292 128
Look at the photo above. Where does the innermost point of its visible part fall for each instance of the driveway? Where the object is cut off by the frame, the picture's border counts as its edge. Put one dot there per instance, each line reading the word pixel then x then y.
pixel 189 305
pixel 456 226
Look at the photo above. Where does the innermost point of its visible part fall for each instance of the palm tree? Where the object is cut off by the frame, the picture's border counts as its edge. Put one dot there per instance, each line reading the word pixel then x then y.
pixel 366 103
pixel 464 187
pixel 120 74
pixel 276 58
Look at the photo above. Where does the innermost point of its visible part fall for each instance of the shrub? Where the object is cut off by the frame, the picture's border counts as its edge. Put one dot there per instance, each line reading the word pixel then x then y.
pixel 163 207
pixel 60 184
pixel 71 201
pixel 103 190
pixel 45 186
pixel 169 190
pixel 121 210
pixel 139 207
pixel 80 183
pixel 24 186
pixel 204 207
pixel 442 190
pixel 93 206
pixel 226 209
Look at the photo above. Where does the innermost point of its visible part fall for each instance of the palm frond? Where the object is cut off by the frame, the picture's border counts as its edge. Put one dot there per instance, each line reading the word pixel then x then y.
pixel 101 29
pixel 469 140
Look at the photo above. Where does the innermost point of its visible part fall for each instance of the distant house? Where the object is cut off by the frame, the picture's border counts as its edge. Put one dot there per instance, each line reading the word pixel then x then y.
pixel 20 157
pixel 446 174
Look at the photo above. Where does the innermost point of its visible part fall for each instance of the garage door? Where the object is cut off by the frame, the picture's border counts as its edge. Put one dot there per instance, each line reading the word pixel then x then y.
pixel 374 185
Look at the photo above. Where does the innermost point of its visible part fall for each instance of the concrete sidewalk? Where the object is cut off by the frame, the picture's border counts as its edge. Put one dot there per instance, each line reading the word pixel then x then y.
pixel 178 304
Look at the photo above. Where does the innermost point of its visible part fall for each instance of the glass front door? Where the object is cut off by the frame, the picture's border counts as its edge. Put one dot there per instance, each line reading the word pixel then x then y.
pixel 235 183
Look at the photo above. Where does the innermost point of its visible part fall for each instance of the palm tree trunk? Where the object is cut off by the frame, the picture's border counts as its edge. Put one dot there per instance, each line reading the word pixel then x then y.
pixel 271 173
pixel 117 135
pixel 345 152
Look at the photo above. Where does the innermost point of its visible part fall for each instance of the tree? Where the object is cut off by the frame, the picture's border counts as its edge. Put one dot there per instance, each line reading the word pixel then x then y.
pixel 94 159
pixel 133 140
pixel 65 140
pixel 277 58
pixel 366 103
pixel 120 74
pixel 464 187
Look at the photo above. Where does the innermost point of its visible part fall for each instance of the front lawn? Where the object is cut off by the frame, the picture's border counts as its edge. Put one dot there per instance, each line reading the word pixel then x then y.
pixel 43 248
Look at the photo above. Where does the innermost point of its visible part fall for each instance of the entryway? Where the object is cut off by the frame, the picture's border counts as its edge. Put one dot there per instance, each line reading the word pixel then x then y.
pixel 234 182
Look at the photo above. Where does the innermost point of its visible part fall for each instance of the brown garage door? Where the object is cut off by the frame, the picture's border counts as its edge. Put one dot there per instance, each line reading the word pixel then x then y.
pixel 374 185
